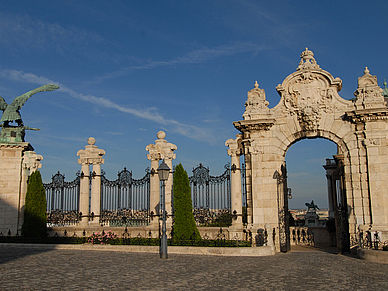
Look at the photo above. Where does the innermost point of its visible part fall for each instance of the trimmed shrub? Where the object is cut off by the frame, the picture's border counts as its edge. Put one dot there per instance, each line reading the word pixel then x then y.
pixel 34 225
pixel 184 222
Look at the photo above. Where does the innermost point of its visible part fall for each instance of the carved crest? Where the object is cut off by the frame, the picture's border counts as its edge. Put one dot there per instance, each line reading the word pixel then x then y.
pixel 310 92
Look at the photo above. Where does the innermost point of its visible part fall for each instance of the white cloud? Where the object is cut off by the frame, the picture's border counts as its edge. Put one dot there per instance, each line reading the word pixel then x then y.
pixel 151 114
pixel 194 57
pixel 26 32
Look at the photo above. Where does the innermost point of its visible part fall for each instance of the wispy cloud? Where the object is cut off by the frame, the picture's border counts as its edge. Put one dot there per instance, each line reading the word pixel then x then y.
pixel 151 114
pixel 193 57
pixel 25 32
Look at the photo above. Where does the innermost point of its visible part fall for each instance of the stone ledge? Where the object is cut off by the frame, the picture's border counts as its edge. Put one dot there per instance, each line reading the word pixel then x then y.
pixel 207 251
pixel 373 256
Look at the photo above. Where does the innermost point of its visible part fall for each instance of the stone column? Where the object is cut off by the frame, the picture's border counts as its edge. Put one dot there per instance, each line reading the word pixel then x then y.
pixel 84 191
pixel 248 185
pixel 234 152
pixel 329 177
pixel 90 155
pixel 11 185
pixel 95 203
pixel 159 151
pixel 154 186
pixel 30 163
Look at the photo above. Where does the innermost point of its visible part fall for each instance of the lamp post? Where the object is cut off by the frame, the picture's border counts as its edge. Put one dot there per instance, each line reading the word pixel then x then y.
pixel 163 172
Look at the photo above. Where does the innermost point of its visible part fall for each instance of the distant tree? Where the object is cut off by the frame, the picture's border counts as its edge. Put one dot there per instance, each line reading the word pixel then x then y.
pixel 34 225
pixel 185 227
pixel 291 219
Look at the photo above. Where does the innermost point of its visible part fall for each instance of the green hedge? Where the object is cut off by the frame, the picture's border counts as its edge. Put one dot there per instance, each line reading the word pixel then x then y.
pixel 128 241
pixel 185 227
pixel 34 224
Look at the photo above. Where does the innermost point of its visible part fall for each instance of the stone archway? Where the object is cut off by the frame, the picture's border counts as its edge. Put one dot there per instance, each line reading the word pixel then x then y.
pixel 310 107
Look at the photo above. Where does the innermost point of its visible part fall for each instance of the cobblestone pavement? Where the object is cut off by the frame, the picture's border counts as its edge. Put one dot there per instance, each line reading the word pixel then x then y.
pixel 48 269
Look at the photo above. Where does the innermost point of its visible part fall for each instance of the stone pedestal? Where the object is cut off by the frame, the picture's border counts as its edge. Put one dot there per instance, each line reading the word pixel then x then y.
pixel 13 186
pixel 161 150
pixel 91 155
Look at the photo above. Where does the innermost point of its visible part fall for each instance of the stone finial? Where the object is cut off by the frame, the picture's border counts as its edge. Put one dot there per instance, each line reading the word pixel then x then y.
pixel 256 105
pixel 91 140
pixel 91 154
pixel 161 135
pixel 369 94
pixel 161 149
pixel 307 60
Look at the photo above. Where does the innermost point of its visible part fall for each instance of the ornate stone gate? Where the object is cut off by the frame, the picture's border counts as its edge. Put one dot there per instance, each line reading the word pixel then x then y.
pixel 310 107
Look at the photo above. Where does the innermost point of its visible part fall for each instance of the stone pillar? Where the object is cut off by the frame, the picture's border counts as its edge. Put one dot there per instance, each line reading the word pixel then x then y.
pixel 330 193
pixel 95 203
pixel 30 163
pixel 13 180
pixel 330 168
pixel 234 152
pixel 248 185
pixel 154 186
pixel 90 155
pixel 84 192
pixel 159 151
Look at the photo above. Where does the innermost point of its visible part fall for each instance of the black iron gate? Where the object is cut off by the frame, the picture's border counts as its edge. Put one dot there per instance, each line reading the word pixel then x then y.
pixel 125 201
pixel 211 197
pixel 62 200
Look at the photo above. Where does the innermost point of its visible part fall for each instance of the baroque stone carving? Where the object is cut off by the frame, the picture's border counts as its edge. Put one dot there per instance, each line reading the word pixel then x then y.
pixel 161 149
pixel 32 161
pixel 368 94
pixel 91 154
pixel 372 142
pixel 309 92
pixel 235 146
pixel 256 105
pixel 307 60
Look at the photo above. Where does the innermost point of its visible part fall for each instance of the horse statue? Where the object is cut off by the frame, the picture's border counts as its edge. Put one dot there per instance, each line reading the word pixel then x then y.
pixel 312 206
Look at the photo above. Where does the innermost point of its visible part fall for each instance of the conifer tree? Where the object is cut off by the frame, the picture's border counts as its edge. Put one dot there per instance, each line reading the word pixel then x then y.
pixel 34 225
pixel 184 222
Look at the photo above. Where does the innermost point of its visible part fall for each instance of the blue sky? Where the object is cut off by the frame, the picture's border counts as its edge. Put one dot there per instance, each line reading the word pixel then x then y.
pixel 128 69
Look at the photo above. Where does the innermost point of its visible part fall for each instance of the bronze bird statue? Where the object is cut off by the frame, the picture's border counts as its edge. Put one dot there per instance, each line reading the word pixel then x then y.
pixel 11 111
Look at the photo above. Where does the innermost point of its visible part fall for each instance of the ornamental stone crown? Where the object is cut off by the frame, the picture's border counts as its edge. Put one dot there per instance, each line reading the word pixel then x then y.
pixel 307 60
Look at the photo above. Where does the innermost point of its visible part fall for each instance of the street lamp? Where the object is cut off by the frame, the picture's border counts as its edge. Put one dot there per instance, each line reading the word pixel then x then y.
pixel 163 172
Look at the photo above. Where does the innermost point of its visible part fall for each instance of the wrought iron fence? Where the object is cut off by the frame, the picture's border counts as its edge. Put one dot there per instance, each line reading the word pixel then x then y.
pixel 62 200
pixel 211 197
pixel 125 201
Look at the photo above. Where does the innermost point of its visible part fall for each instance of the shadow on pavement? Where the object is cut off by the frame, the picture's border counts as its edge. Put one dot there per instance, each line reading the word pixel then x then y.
pixel 11 252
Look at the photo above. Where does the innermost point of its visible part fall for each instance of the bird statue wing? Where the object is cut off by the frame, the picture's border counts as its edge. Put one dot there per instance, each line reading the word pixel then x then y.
pixel 19 101
pixel 3 104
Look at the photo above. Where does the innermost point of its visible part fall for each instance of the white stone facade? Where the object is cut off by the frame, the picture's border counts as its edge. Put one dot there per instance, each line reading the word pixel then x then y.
pixel 310 107
pixel 17 162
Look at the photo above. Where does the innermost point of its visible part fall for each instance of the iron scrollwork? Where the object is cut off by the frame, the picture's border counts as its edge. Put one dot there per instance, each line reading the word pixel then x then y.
pixel 211 197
